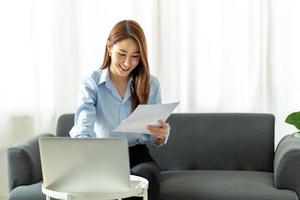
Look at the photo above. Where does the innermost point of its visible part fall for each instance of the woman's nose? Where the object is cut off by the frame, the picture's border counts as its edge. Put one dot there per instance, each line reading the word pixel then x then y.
pixel 127 61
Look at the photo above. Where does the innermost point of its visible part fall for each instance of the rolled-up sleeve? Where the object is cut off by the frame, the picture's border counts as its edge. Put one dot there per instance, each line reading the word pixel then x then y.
pixel 85 113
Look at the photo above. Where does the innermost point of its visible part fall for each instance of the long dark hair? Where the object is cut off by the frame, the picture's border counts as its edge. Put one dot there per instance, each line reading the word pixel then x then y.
pixel 140 87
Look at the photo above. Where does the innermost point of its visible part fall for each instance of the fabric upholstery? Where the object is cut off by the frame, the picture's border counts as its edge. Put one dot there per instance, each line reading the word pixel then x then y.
pixel 287 164
pixel 208 156
pixel 27 192
pixel 24 163
pixel 64 124
pixel 221 185
pixel 218 142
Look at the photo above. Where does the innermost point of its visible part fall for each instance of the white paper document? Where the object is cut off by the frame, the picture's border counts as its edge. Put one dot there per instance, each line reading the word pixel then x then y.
pixel 145 115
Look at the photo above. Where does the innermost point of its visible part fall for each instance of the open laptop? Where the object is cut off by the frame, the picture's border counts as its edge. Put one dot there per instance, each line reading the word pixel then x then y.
pixel 85 164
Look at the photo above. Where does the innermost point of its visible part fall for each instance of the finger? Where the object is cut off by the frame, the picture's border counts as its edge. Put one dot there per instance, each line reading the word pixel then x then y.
pixel 154 128
pixel 163 124
pixel 159 136
pixel 161 133
pixel 158 129
pixel 155 133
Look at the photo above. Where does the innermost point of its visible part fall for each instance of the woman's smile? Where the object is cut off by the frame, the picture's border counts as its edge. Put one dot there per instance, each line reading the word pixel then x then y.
pixel 124 68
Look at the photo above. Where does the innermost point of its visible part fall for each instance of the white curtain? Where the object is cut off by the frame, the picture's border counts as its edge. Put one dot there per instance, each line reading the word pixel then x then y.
pixel 212 56
pixel 47 47
pixel 231 56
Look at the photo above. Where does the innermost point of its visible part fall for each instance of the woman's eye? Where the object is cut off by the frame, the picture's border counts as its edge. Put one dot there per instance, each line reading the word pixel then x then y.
pixel 122 54
pixel 136 56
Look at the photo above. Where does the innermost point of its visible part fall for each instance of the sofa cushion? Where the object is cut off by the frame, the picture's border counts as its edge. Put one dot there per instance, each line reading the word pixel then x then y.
pixel 27 192
pixel 221 185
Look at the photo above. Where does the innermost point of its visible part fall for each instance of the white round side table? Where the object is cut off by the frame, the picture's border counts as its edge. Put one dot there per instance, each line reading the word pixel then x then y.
pixel 139 188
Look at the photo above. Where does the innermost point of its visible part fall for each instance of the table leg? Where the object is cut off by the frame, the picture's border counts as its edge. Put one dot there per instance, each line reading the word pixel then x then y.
pixel 145 194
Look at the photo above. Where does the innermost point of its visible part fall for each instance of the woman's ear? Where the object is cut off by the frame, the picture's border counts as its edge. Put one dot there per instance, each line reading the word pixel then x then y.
pixel 108 46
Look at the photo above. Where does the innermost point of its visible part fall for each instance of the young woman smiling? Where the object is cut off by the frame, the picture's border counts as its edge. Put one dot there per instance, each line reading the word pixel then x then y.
pixel 111 93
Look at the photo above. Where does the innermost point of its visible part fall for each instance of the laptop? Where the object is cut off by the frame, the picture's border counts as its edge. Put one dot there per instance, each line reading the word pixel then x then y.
pixel 77 165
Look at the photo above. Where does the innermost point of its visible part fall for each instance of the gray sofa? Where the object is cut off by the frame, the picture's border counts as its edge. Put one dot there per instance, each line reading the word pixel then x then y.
pixel 208 157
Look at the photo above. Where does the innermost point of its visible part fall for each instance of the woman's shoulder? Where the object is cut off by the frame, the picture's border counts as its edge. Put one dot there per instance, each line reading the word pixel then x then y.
pixel 154 81
pixel 154 95
pixel 95 76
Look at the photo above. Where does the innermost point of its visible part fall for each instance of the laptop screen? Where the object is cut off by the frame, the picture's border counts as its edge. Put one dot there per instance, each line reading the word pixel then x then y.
pixel 85 164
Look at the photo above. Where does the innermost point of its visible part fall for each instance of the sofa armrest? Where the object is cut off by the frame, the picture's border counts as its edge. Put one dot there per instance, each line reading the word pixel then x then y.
pixel 287 164
pixel 24 163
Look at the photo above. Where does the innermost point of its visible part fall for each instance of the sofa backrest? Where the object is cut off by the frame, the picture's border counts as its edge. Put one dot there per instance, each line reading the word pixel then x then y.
pixel 218 141
pixel 64 124
pixel 214 141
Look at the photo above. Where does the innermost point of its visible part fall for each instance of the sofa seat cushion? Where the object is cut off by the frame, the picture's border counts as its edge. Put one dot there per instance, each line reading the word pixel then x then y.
pixel 27 192
pixel 221 185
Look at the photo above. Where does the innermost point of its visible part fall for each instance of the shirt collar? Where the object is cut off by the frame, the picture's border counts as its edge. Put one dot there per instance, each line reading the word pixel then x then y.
pixel 104 76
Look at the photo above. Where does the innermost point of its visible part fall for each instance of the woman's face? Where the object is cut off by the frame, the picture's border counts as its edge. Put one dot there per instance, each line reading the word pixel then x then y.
pixel 125 56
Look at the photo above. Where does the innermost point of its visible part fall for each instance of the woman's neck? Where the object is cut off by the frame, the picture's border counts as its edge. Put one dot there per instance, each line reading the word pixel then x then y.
pixel 118 79
pixel 119 82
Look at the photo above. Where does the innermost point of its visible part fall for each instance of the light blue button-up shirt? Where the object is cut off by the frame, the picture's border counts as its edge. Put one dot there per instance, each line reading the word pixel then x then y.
pixel 101 108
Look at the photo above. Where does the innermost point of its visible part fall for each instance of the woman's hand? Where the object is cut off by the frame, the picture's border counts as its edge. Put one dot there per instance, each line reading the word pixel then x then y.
pixel 160 132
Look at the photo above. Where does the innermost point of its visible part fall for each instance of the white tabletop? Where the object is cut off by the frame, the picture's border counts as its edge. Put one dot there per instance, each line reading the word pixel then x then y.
pixel 139 187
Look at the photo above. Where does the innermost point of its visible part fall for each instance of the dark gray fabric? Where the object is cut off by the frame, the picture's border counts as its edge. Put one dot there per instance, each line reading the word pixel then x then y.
pixel 218 141
pixel 287 164
pixel 24 163
pixel 27 192
pixel 64 124
pixel 209 141
pixel 221 185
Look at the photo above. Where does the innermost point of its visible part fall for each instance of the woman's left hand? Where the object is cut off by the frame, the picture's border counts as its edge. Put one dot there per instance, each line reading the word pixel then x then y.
pixel 160 132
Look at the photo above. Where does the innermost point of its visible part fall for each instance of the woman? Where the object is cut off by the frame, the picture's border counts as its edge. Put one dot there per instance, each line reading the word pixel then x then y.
pixel 110 94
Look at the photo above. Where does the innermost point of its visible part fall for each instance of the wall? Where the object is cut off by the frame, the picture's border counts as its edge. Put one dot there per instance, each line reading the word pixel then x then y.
pixel 3 176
